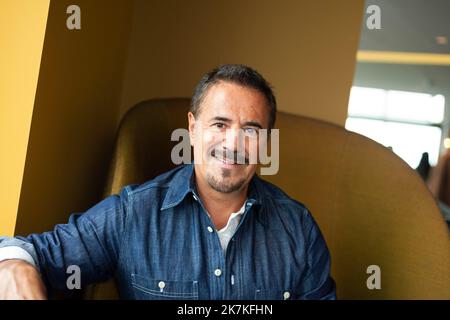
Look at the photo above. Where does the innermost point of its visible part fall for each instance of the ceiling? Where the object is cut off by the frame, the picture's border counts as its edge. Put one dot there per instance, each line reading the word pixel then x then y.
pixel 408 25
pixel 411 26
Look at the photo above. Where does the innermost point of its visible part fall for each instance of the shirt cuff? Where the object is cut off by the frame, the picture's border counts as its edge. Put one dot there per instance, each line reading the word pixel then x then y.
pixel 14 252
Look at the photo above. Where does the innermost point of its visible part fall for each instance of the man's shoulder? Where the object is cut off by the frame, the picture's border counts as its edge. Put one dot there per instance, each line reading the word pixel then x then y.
pixel 161 182
pixel 271 192
pixel 281 207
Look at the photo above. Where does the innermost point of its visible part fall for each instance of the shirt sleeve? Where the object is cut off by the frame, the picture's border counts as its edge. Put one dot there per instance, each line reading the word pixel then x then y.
pixel 16 252
pixel 91 241
pixel 317 283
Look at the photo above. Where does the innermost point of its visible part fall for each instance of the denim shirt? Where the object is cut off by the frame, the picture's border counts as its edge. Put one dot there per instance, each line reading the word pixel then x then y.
pixel 154 239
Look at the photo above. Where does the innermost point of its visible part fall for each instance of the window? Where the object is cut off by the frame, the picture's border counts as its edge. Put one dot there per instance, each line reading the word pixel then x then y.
pixel 408 122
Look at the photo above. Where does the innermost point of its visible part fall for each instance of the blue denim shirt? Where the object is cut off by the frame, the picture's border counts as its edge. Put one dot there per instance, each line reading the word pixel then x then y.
pixel 154 239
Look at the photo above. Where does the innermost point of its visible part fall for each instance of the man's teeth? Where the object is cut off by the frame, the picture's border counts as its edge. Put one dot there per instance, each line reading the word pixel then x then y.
pixel 229 161
pixel 225 160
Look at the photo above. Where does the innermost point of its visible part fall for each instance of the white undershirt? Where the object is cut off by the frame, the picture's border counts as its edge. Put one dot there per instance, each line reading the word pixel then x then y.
pixel 226 233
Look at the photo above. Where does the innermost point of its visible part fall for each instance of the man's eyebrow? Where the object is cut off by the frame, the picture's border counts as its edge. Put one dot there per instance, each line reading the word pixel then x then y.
pixel 245 124
pixel 223 119
pixel 252 124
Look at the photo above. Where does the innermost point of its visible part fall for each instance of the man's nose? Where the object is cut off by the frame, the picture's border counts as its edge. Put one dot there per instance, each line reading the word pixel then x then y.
pixel 232 139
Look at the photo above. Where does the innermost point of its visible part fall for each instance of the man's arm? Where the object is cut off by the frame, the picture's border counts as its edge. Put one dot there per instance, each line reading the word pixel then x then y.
pixel 20 280
pixel 317 283
pixel 90 241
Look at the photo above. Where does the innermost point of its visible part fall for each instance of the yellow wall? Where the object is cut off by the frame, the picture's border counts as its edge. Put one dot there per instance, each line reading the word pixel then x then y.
pixel 22 30
pixel 75 112
pixel 307 49
pixel 128 51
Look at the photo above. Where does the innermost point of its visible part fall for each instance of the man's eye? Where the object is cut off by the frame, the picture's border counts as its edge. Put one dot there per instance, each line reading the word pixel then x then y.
pixel 219 125
pixel 251 131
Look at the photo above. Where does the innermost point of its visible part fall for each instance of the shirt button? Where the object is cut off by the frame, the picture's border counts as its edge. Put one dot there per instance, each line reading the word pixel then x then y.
pixel 161 284
pixel 217 272
pixel 286 295
pixel 210 229
pixel 195 197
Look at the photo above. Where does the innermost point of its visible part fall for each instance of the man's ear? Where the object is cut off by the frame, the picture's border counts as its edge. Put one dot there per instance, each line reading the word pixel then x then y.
pixel 191 126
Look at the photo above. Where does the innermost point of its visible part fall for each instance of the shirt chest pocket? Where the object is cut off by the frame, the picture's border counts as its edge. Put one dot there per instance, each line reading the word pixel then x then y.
pixel 273 294
pixel 162 289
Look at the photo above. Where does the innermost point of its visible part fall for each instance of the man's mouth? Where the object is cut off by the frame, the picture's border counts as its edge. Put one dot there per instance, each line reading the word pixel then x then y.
pixel 229 157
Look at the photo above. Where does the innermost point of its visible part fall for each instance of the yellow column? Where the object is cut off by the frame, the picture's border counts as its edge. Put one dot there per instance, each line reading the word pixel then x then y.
pixel 22 30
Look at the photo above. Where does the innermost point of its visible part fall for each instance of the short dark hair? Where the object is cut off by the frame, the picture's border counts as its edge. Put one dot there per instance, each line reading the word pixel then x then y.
pixel 239 74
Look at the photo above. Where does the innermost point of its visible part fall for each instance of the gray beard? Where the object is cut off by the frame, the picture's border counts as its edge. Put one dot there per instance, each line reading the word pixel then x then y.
pixel 224 187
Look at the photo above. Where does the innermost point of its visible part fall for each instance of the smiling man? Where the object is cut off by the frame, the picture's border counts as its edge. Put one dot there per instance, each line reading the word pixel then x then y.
pixel 211 230
pixel 222 113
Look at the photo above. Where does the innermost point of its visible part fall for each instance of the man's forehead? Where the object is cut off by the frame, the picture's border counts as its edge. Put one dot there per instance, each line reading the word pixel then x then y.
pixel 228 92
pixel 232 100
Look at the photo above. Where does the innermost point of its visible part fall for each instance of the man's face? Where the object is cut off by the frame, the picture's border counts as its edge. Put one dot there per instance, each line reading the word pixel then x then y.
pixel 226 109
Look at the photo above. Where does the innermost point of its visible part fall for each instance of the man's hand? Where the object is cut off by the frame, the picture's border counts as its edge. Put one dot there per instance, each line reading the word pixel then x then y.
pixel 19 280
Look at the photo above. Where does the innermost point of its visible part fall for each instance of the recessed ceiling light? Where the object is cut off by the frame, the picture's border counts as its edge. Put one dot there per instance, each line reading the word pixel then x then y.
pixel 441 40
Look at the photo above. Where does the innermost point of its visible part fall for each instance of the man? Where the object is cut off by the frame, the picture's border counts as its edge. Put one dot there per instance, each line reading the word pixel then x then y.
pixel 212 230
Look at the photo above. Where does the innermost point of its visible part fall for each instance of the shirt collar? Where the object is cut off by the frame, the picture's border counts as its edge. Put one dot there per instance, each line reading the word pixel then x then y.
pixel 183 183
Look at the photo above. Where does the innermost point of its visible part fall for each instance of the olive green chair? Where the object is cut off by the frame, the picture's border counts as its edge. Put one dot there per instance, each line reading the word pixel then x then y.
pixel 372 208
